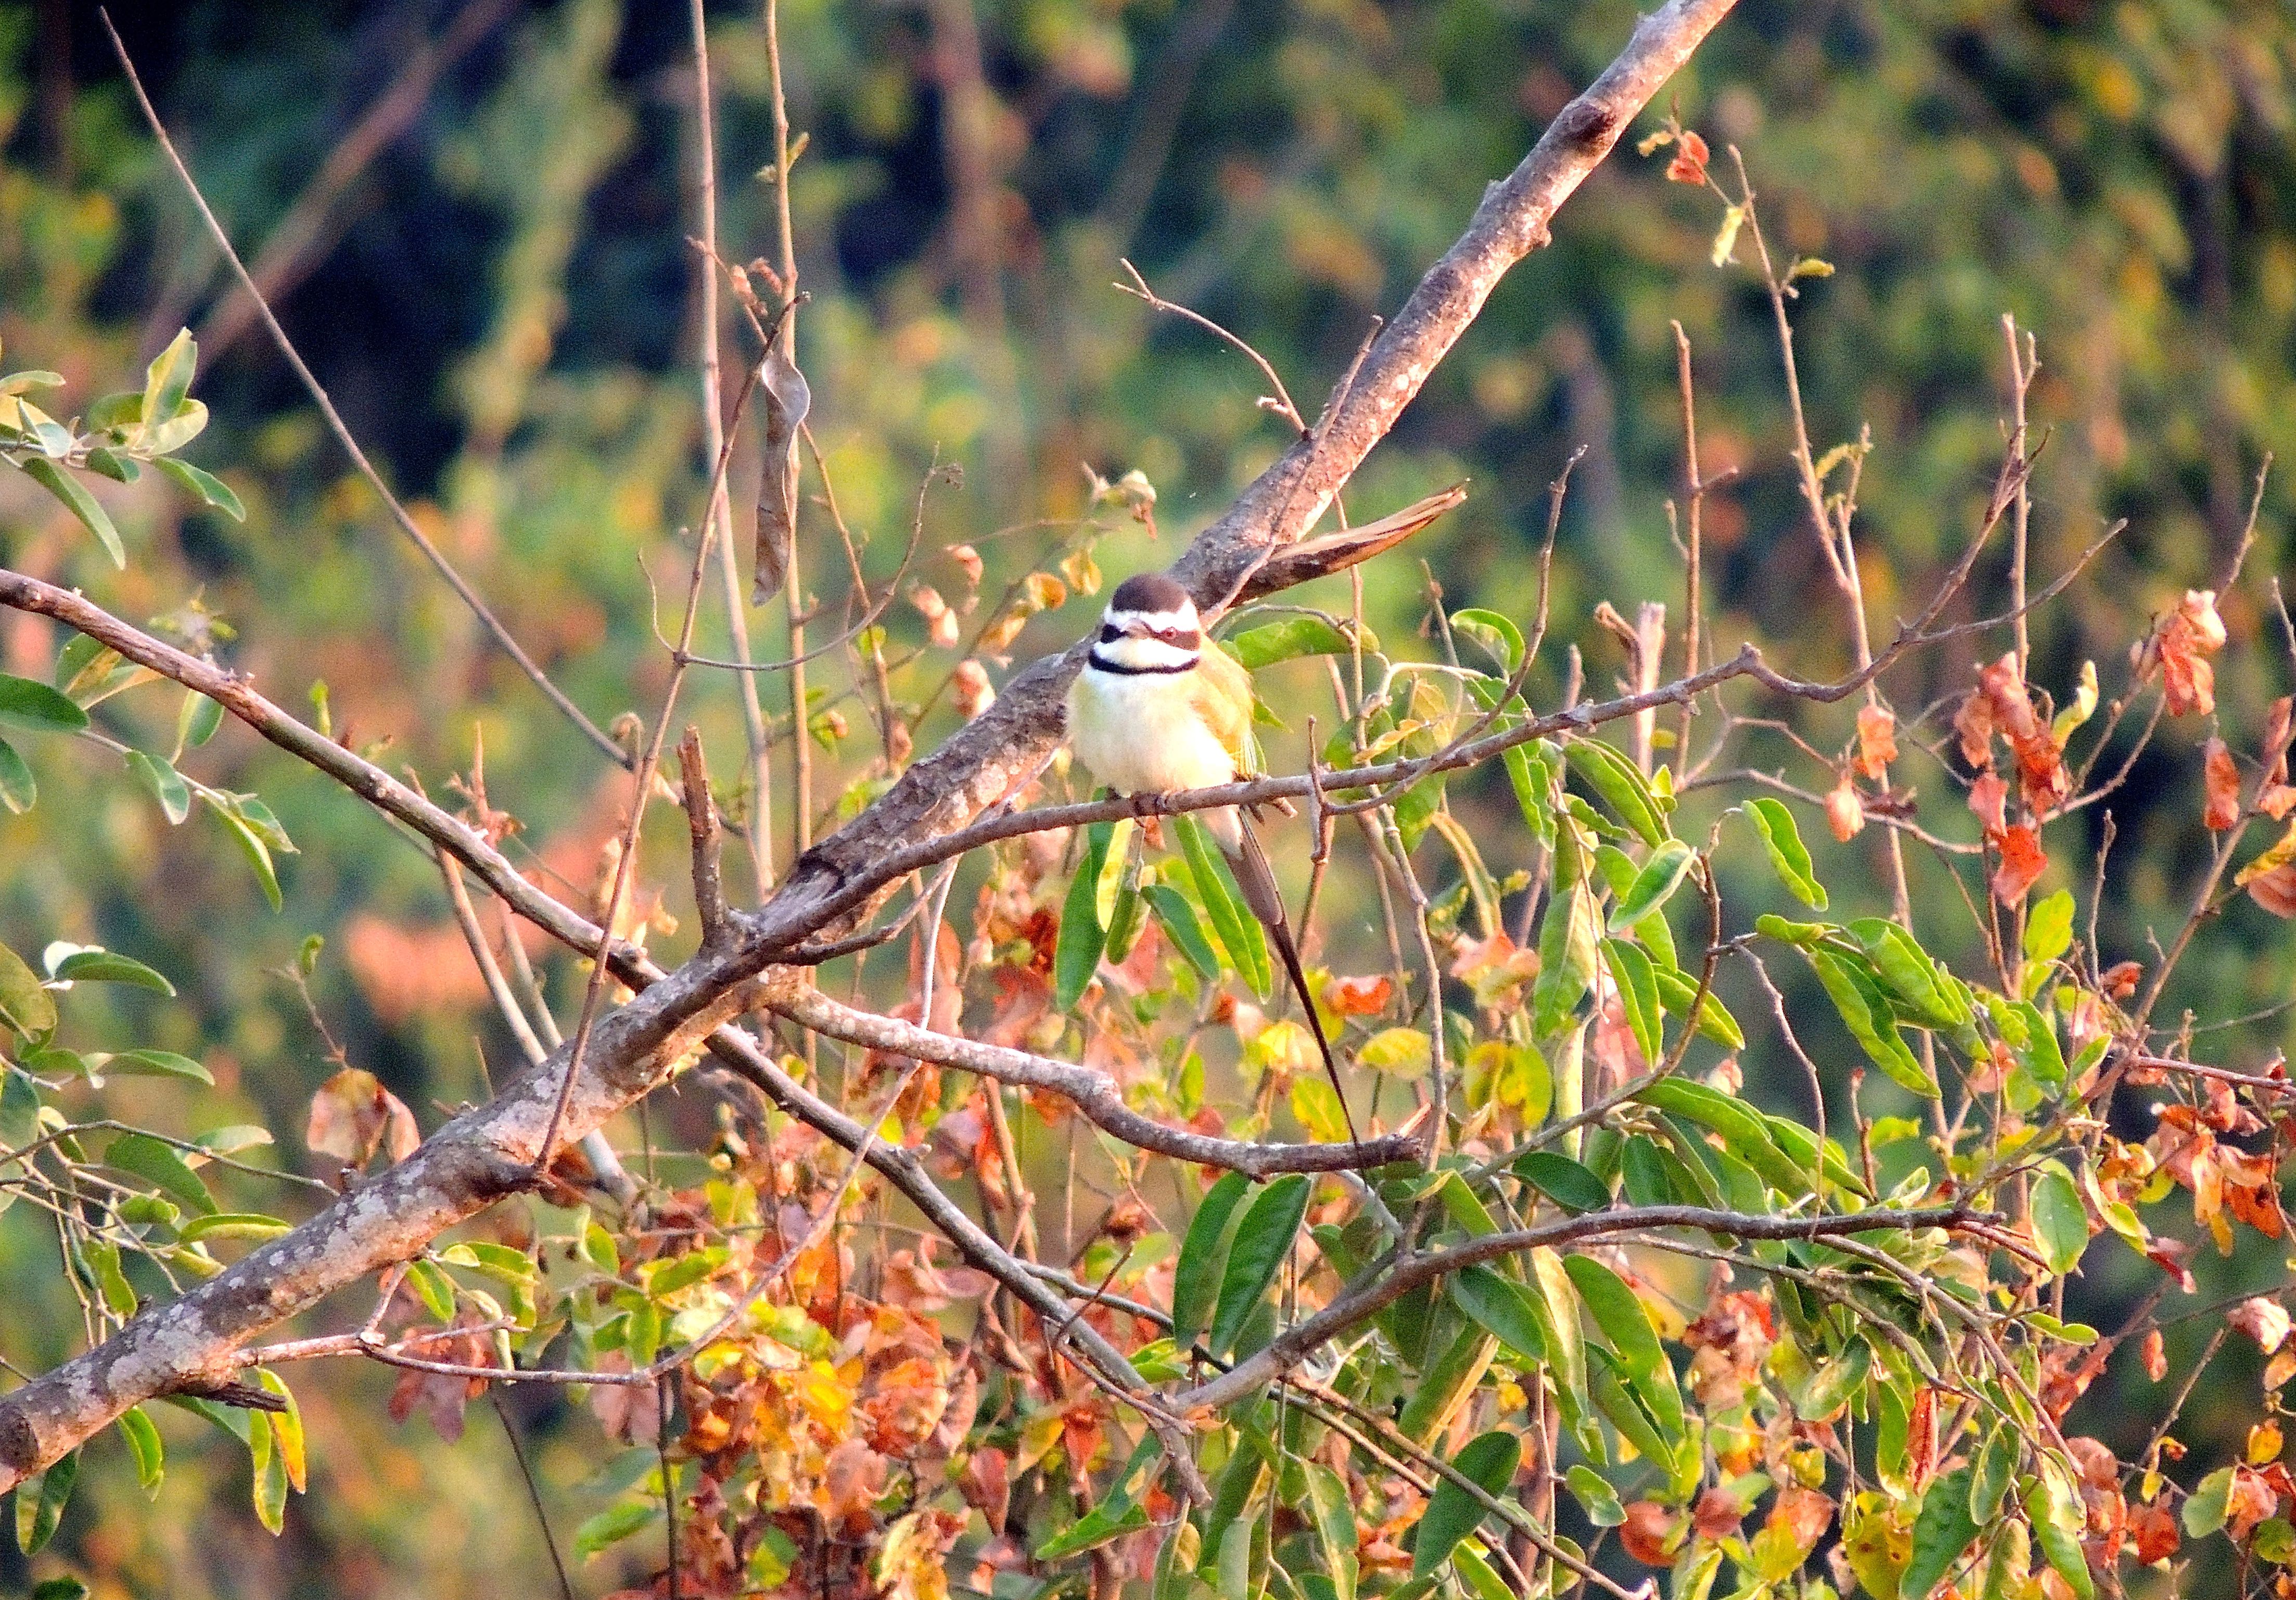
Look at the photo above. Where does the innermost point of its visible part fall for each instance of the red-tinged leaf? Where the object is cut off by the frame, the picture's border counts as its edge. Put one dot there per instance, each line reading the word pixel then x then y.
pixel 1989 802
pixel 2022 863
pixel 2182 645
pixel 2263 1319
pixel 1689 163
pixel 1877 742
pixel 1716 1514
pixel 1802 1516
pixel 2155 1355
pixel 2155 1534
pixel 2222 779
pixel 1651 1533
pixel 1359 996
pixel 1845 813
pixel 2275 889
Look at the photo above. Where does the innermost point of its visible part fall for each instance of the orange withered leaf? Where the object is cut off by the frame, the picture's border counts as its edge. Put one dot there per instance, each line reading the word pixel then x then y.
pixel 2022 862
pixel 2182 645
pixel 1689 163
pixel 2221 779
pixel 2154 1533
pixel 1877 741
pixel 2263 1319
pixel 353 1116
pixel 1359 996
pixel 2155 1355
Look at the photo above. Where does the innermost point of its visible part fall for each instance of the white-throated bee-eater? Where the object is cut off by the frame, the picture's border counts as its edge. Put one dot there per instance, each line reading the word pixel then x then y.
pixel 1158 708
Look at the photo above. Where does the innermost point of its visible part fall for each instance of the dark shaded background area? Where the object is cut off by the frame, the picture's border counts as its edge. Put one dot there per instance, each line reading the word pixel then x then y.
pixel 500 298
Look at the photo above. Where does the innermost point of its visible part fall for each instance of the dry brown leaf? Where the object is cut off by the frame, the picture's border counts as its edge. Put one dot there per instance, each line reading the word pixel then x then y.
pixel 2022 862
pixel 1845 813
pixel 1877 741
pixel 2221 778
pixel 353 1116
pixel 1651 1533
pixel 784 398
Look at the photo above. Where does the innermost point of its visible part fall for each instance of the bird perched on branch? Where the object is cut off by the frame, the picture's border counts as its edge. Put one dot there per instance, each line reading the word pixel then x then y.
pixel 1158 709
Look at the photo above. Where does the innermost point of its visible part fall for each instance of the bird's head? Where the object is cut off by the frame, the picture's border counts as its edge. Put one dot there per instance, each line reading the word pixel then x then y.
pixel 1149 626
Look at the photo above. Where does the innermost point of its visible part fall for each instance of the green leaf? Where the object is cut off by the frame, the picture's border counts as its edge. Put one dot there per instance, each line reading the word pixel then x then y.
pixel 2059 1522
pixel 1909 975
pixel 197 722
pixel 1567 952
pixel 165 782
pixel 2060 1221
pixel 1620 785
pixel 1566 1348
pixel 18 791
pixel 433 1287
pixel 1076 956
pixel 267 1490
pixel 168 379
pixel 38 1511
pixel 2039 1050
pixel 108 966
pixel 1995 1470
pixel 82 504
pixel 1489 1460
pixel 1289 639
pixel 1203 1258
pixel 1563 1180
pixel 27 703
pixel 1782 842
pixel 1531 772
pixel 1660 877
pixel 614 1525
pixel 1866 1013
pixel 25 1006
pixel 1743 1132
pixel 1595 1495
pixel 158 1164
pixel 1675 990
pixel 1182 927
pixel 1237 930
pixel 1335 1515
pixel 66 1588
pixel 258 854
pixel 156 1063
pixel 1942 1532
pixel 2049 927
pixel 1506 1310
pixel 2205 1509
pixel 234 1225
pixel 1638 983
pixel 142 1436
pixel 1496 634
pixel 110 463
pixel 286 1427
pixel 206 486
pixel 1264 1238
pixel 1626 1325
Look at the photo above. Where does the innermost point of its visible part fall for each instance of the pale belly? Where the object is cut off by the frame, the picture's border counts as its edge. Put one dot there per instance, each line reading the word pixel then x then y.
pixel 1140 735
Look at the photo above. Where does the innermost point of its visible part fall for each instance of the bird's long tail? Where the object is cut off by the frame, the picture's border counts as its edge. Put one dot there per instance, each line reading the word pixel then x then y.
pixel 1257 879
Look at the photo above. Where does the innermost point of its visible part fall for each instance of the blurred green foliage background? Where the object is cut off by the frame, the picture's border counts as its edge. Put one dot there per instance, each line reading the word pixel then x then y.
pixel 486 260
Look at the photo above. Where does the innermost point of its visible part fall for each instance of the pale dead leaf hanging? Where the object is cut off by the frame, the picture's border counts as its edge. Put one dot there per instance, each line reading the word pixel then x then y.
pixel 786 397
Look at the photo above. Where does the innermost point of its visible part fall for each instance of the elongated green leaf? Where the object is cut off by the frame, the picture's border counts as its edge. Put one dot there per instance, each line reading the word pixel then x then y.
pixel 234 1225
pixel 19 789
pixel 165 782
pixel 52 477
pixel 1638 983
pixel 1660 877
pixel 1488 1460
pixel 1563 1180
pixel 198 720
pixel 1830 1387
pixel 258 854
pixel 1566 1348
pixel 1742 1128
pixel 1334 1514
pixel 2049 927
pixel 1112 1519
pixel 1675 990
pixel 2040 1051
pixel 614 1525
pixel 108 966
pixel 1626 1325
pixel 1182 927
pixel 1788 857
pixel 158 1163
pixel 38 1511
pixel 1238 932
pixel 1083 937
pixel 169 378
pixel 1867 1014
pixel 1445 1384
pixel 1620 785
pixel 25 1006
pixel 156 1063
pixel 1264 1238
pixel 211 489
pixel 1995 1470
pixel 1942 1532
pixel 1506 1310
pixel 142 1436
pixel 1291 639
pixel 2058 1523
pixel 1567 953
pixel 2059 1222
pixel 1909 976
pixel 1531 772
pixel 1203 1258
pixel 27 703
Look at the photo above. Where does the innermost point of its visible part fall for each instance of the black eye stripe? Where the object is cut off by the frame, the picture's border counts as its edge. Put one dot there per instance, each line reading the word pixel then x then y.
pixel 1110 632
